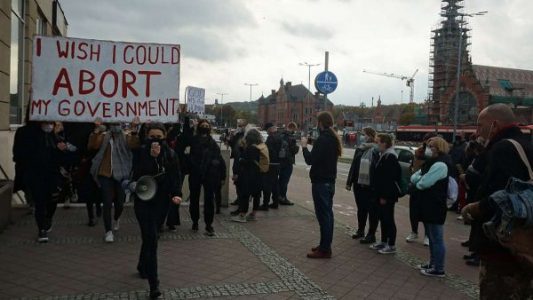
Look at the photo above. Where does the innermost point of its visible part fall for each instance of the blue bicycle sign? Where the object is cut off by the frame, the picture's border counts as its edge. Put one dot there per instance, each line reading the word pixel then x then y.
pixel 326 82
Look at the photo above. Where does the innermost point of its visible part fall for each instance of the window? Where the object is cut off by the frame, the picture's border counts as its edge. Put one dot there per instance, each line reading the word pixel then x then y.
pixel 405 156
pixel 16 75
pixel 506 84
pixel 40 24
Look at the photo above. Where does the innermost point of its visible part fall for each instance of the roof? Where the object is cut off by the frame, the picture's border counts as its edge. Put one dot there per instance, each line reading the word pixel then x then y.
pixel 294 93
pixel 505 82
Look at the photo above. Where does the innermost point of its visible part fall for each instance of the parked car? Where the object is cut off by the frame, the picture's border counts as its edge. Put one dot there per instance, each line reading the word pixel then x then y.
pixel 406 155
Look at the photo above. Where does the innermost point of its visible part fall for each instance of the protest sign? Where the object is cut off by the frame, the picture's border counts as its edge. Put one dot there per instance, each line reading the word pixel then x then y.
pixel 80 80
pixel 195 100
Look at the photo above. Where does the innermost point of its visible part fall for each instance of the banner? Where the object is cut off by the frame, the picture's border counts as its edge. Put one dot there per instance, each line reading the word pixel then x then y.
pixel 79 80
pixel 195 100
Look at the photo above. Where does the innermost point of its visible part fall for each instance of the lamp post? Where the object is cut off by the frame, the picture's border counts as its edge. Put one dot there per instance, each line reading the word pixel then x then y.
pixel 221 105
pixel 309 66
pixel 459 64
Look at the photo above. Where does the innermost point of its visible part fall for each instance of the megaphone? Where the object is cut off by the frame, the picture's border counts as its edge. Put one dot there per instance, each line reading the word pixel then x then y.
pixel 146 188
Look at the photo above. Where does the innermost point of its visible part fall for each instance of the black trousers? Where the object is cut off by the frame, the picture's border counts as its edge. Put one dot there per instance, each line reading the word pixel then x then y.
pixel 388 226
pixel 173 212
pixel 148 215
pixel 366 209
pixel 88 192
pixel 195 185
pixel 44 194
pixel 271 185
pixel 244 202
pixel 112 195
pixel 217 190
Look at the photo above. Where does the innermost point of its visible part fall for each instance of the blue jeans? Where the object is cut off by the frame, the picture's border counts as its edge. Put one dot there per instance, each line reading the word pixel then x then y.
pixel 284 177
pixel 323 199
pixel 437 249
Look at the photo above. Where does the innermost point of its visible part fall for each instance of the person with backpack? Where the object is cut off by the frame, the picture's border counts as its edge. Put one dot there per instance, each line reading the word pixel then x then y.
pixel 386 182
pixel 289 149
pixel 503 274
pixel 252 163
pixel 361 171
pixel 271 184
pixel 430 184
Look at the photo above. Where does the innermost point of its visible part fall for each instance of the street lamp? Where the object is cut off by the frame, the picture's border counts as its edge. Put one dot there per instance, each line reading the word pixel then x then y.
pixel 221 105
pixel 251 85
pixel 308 65
pixel 459 63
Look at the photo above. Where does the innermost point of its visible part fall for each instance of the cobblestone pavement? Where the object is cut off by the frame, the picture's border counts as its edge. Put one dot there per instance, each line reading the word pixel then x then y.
pixel 258 260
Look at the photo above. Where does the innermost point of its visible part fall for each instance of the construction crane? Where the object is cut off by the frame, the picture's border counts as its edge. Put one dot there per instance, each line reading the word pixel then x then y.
pixel 410 81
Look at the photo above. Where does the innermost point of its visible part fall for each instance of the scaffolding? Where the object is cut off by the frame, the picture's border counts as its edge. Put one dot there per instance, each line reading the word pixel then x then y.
pixel 444 55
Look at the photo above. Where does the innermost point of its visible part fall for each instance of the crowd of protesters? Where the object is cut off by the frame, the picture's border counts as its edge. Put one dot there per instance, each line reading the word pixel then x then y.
pixel 99 163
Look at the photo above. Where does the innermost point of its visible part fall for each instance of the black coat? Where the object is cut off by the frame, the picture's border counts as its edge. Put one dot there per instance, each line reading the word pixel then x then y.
pixel 249 175
pixel 292 148
pixel 386 177
pixel 273 143
pixel 169 183
pixel 503 163
pixel 323 158
pixel 204 153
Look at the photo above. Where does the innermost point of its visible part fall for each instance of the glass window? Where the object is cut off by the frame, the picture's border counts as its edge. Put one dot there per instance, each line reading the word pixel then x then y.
pixel 16 63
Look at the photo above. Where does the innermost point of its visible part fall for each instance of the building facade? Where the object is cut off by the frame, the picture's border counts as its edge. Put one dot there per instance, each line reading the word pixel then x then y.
pixel 291 103
pixel 479 86
pixel 20 21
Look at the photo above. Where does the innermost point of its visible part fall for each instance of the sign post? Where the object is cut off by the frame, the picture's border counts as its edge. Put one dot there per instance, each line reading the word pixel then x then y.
pixel 326 82
pixel 81 80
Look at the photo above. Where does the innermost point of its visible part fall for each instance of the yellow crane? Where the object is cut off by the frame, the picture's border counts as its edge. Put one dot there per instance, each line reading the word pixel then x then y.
pixel 410 81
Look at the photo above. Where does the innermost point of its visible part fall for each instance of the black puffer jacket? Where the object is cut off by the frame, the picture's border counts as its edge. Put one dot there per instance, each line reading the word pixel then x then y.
pixel 386 177
pixel 204 150
pixel 250 182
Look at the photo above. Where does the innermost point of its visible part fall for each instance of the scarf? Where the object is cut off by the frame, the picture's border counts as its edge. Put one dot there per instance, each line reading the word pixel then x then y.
pixel 121 158
pixel 366 163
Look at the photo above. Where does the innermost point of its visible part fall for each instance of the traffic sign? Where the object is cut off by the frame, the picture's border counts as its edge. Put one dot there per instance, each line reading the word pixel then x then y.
pixel 326 82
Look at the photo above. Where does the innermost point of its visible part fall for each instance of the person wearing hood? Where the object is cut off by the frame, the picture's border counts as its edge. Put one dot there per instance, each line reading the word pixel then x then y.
pixel 155 158
pixel 110 166
pixel 203 152
pixel 386 179
pixel 41 152
pixel 361 172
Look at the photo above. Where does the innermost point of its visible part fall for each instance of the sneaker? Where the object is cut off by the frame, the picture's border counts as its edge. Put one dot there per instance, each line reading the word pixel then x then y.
pixel 155 293
pixel 368 240
pixel 239 218
pixel 412 237
pixel 42 237
pixel 172 228
pixel 273 206
pixel 234 213
pixel 358 235
pixel 424 266
pixel 195 227
pixel 109 238
pixel 387 250
pixel 460 218
pixel 251 218
pixel 285 202
pixel 426 241
pixel 432 273
pixel 263 207
pixel 116 225
pixel 209 231
pixel 377 246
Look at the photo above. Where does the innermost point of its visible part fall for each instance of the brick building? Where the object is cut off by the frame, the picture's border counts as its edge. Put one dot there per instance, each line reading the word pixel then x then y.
pixel 20 21
pixel 291 103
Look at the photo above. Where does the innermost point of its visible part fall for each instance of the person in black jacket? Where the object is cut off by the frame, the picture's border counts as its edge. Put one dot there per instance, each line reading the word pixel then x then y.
pixel 289 149
pixel 204 151
pixel 271 184
pixel 386 178
pixel 502 275
pixel 41 153
pixel 155 158
pixel 430 184
pixel 359 178
pixel 236 145
pixel 323 161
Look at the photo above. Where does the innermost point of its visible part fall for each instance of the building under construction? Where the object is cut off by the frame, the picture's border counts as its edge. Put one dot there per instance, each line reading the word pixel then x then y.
pixel 479 86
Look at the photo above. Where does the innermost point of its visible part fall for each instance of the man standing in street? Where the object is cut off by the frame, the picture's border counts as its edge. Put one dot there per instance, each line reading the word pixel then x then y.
pixel 502 276
pixel 236 144
pixel 289 149
pixel 271 184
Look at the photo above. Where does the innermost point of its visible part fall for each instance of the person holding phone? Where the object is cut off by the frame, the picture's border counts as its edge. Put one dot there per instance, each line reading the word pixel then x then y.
pixel 155 158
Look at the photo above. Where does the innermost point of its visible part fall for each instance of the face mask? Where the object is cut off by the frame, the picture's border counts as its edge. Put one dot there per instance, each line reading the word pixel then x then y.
pixel 203 130
pixel 47 128
pixel 115 129
pixel 428 153
pixel 150 141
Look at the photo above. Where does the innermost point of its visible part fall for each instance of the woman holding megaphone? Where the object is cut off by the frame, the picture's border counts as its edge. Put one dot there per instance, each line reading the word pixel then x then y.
pixel 155 162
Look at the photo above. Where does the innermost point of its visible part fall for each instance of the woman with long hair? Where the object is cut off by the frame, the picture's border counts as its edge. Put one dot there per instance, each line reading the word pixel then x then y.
pixel 323 161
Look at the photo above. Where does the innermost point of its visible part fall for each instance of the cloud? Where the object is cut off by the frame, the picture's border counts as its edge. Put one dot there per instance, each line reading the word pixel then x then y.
pixel 307 30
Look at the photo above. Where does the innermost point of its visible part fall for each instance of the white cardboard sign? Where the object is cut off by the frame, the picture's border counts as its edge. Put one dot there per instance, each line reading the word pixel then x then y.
pixel 195 100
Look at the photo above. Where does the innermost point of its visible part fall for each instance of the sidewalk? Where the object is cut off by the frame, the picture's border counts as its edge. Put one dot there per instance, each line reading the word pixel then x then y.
pixel 260 260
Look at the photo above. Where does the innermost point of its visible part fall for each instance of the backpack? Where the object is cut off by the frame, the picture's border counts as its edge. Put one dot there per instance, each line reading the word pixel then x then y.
pixel 453 191
pixel 512 224
pixel 264 160
pixel 284 150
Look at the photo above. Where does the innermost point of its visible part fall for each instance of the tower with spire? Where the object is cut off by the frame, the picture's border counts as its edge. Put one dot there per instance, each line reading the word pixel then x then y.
pixel 445 54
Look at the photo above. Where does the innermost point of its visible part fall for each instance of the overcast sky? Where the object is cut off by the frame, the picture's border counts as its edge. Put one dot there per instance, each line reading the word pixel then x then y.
pixel 226 43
